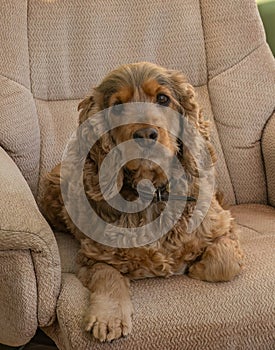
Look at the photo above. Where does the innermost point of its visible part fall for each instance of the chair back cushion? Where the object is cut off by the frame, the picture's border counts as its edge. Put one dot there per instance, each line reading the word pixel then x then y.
pixel 66 48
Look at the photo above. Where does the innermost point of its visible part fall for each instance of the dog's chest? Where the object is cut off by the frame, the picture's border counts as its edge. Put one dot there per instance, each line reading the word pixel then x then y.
pixel 145 262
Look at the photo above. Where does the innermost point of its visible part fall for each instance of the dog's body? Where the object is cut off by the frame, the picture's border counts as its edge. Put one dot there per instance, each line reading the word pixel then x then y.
pixel 210 252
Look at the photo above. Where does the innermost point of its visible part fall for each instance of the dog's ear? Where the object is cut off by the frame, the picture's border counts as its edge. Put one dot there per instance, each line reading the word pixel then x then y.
pixel 86 108
pixel 89 108
pixel 186 97
pixel 191 113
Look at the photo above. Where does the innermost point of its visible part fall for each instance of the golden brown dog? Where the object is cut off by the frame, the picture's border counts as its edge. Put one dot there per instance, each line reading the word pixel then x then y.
pixel 211 252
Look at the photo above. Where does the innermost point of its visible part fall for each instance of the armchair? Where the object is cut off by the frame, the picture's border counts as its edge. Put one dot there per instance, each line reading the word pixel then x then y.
pixel 52 52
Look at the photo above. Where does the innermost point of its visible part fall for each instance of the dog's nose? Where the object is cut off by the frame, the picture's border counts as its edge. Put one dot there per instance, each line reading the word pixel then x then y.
pixel 149 134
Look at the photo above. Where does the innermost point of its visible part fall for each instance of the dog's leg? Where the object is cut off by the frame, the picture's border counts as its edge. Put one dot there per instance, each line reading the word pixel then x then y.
pixel 110 310
pixel 221 261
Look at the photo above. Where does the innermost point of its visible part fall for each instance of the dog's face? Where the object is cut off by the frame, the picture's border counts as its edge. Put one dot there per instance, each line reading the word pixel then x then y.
pixel 146 83
pixel 150 91
pixel 148 86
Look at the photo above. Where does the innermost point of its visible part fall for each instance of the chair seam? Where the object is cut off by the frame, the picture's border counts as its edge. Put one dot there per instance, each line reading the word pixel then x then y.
pixel 58 100
pixel 263 156
pixel 28 40
pixel 53 275
pixel 239 62
pixel 25 88
pixel 37 236
pixel 210 100
pixel 250 228
pixel 220 74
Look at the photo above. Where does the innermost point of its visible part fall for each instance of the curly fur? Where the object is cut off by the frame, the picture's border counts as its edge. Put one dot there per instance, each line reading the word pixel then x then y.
pixel 211 252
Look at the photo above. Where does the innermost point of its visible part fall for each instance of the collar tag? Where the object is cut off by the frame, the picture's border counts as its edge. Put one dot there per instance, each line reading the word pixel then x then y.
pixel 158 195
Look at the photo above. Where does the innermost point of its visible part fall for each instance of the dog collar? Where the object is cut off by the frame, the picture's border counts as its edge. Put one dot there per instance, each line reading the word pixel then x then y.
pixel 163 194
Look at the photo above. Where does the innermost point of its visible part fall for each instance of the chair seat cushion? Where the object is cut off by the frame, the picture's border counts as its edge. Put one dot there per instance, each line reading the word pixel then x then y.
pixel 181 313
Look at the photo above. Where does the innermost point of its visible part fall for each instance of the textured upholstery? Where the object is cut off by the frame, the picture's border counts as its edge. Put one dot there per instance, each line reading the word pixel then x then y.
pixel 52 53
pixel 17 288
pixel 268 147
pixel 19 132
pixel 223 23
pixel 73 44
pixel 30 263
pixel 242 108
pixel 53 117
pixel 223 178
pixel 180 313
pixel 14 53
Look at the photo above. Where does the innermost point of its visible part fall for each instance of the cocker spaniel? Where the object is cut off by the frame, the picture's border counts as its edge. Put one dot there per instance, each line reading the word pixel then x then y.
pixel 209 251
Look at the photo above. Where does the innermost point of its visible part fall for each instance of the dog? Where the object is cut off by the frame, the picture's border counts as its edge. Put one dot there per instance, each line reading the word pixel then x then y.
pixel 210 252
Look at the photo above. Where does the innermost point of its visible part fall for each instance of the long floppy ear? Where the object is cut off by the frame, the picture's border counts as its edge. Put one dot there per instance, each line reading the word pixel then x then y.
pixel 87 107
pixel 90 109
pixel 193 118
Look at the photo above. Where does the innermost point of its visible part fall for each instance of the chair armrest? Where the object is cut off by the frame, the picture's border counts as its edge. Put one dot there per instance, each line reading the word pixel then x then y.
pixel 30 270
pixel 268 149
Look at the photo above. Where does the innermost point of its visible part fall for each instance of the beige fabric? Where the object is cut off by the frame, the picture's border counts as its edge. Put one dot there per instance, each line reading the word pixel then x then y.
pixel 19 130
pixel 223 179
pixel 70 46
pixel 268 146
pixel 241 89
pixel 68 249
pixel 14 53
pixel 18 321
pixel 259 218
pixel 232 30
pixel 74 43
pixel 57 121
pixel 181 313
pixel 242 100
pixel 70 53
pixel 22 227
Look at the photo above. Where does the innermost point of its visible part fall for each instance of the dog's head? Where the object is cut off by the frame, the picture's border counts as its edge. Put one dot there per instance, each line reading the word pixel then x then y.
pixel 148 83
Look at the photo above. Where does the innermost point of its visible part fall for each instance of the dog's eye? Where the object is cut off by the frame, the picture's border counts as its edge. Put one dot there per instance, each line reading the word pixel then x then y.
pixel 117 108
pixel 163 100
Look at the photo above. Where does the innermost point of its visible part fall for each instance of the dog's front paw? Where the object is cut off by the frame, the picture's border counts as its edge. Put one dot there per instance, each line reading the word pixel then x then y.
pixel 108 319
